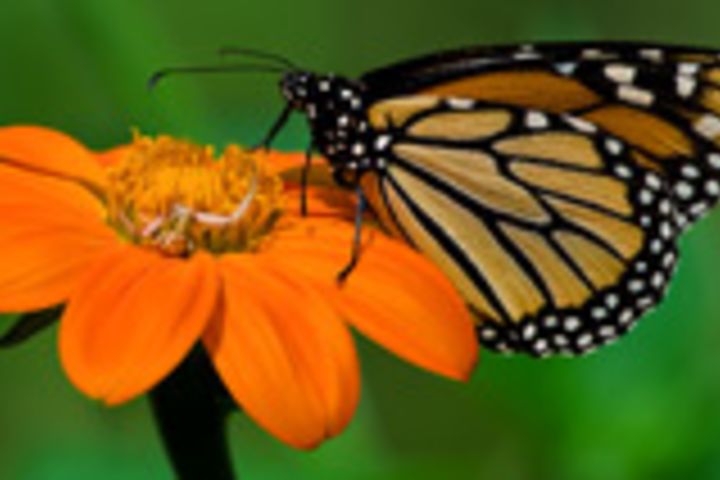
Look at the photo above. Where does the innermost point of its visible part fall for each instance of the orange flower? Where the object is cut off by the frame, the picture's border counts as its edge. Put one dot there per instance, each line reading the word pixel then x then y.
pixel 157 245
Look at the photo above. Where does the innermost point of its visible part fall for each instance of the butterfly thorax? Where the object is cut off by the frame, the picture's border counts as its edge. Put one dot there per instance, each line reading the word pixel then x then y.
pixel 336 111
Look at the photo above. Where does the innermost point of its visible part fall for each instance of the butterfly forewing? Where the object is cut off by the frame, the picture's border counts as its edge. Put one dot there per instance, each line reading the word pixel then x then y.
pixel 664 101
pixel 553 234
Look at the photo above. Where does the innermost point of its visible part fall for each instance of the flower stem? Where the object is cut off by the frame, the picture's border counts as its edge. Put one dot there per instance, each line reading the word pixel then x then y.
pixel 190 408
pixel 28 325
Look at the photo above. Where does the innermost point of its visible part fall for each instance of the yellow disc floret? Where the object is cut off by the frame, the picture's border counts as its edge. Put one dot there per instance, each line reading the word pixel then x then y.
pixel 176 196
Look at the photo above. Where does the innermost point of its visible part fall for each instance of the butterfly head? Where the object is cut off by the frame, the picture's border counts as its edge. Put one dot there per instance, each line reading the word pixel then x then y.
pixel 335 109
pixel 296 87
pixel 321 94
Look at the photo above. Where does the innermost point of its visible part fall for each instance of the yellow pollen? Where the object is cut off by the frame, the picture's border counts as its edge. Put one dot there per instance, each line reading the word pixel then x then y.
pixel 176 196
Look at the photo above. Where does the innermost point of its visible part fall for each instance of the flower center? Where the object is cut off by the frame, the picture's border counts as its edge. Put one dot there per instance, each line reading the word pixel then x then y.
pixel 176 196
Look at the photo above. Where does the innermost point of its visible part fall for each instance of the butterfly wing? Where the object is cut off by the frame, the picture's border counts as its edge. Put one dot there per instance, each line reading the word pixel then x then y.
pixel 555 236
pixel 664 101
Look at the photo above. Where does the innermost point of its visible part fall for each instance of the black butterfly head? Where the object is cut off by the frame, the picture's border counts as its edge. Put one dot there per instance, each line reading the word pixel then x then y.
pixel 296 87
pixel 321 95
pixel 335 109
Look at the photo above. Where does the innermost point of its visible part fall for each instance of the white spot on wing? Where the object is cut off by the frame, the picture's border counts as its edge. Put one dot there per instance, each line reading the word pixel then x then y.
pixel 536 120
pixel 551 321
pixel 646 197
pixel 527 55
pixel 382 142
pixel 699 208
pixel 608 331
pixel 461 103
pixel 653 181
pixel 690 171
pixel 580 124
pixel 626 316
pixel 584 340
pixel 623 171
pixel 566 68
pixel 612 300
pixel 596 54
pixel 714 160
pixel 636 286
pixel 652 54
pixel 529 331
pixel 540 346
pixel 488 333
pixel 666 231
pixel 685 86
pixel 613 146
pixel 665 207
pixel 708 126
pixel 684 190
pixel 620 73
pixel 572 324
pixel 637 96
pixel 688 68
pixel 712 187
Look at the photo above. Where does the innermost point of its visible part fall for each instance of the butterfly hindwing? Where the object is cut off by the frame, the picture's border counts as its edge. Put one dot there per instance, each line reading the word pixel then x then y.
pixel 553 234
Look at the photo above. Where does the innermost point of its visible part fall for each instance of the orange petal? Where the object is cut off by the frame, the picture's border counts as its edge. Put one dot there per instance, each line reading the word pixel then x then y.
pixel 44 253
pixel 322 202
pixel 394 296
pixel 113 156
pixel 50 229
pixel 133 318
pixel 289 165
pixel 50 152
pixel 277 162
pixel 22 188
pixel 283 354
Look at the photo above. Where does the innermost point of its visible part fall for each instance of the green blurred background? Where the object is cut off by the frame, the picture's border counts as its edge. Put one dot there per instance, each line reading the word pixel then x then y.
pixel 647 408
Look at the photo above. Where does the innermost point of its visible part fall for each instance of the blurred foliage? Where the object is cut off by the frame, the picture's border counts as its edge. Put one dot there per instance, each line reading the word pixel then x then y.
pixel 644 409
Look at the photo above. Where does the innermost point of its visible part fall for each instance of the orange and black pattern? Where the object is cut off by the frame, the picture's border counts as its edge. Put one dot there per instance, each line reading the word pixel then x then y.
pixel 550 182
pixel 664 101
pixel 554 236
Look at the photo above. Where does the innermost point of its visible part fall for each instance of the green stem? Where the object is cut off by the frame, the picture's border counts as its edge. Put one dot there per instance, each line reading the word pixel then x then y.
pixel 190 409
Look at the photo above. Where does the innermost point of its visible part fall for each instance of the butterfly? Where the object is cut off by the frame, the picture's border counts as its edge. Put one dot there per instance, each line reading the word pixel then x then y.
pixel 549 182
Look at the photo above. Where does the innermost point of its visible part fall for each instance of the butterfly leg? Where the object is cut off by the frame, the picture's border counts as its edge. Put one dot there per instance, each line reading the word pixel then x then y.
pixel 275 129
pixel 304 174
pixel 355 256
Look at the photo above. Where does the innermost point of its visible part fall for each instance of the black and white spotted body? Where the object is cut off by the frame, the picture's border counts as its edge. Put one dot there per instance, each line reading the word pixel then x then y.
pixel 335 108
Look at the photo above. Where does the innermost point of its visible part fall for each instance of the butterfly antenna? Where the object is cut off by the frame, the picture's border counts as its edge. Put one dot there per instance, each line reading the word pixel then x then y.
pixel 156 77
pixel 259 55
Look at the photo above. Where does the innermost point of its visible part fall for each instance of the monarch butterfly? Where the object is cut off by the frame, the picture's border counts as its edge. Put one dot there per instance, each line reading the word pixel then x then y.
pixel 550 182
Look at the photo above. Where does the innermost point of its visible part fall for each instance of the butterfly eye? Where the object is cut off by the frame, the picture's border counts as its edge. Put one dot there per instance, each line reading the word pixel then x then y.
pixel 296 88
